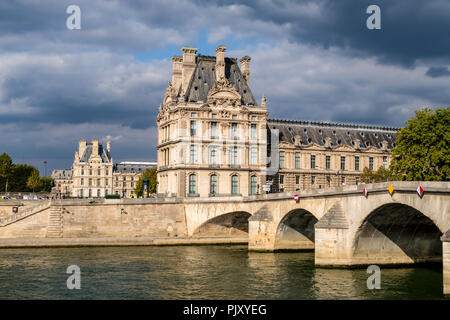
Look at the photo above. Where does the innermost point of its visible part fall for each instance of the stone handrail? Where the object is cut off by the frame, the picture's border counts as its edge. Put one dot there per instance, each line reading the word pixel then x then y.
pixel 23 214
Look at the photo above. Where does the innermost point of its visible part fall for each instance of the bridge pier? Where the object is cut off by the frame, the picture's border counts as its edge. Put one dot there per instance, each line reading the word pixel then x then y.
pixel 332 247
pixel 446 263
pixel 262 231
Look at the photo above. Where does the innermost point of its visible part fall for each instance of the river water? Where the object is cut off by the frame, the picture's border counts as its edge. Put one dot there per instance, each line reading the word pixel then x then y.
pixel 198 272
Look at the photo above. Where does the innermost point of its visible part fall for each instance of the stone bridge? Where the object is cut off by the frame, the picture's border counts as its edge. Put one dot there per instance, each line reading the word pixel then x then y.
pixel 343 226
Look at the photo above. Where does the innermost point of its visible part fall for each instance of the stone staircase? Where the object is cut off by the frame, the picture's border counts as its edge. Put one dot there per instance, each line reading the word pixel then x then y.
pixel 25 213
pixel 55 223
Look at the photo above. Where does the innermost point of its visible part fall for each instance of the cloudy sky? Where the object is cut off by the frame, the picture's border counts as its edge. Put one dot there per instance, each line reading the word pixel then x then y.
pixel 314 60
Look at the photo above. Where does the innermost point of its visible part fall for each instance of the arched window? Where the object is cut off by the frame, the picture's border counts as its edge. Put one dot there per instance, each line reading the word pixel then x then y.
pixel 253 185
pixel 192 184
pixel 213 184
pixel 234 185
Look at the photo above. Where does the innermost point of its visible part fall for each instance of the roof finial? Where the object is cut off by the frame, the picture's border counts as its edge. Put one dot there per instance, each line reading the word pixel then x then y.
pixel 263 101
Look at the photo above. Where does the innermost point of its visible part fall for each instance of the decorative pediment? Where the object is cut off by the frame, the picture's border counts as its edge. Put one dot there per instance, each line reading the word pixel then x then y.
pixel 223 93
pixel 344 148
pixel 170 96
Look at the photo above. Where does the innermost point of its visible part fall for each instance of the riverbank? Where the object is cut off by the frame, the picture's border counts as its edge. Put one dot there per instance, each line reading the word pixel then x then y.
pixel 117 242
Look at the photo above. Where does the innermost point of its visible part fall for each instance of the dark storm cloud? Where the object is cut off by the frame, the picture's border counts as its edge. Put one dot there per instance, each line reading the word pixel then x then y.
pixel 410 29
pixel 436 72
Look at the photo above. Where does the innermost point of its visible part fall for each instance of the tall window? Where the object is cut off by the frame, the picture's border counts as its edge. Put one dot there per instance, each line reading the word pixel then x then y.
pixel 385 162
pixel 213 155
pixel 81 193
pixel 90 193
pixel 192 184
pixel 371 163
pixel 90 172
pixel 82 172
pixel 193 128
pixel 234 155
pixel 313 161
pixel 281 179
pixel 297 160
pixel 328 162
pixel 98 182
pixel 193 153
pixel 98 192
pixel 253 185
pixel 213 184
pixel 90 181
pixel 281 159
pixel 356 163
pixel 233 130
pixel 343 163
pixel 253 131
pixel 253 156
pixel 313 180
pixel 99 172
pixel 213 130
pixel 297 179
pixel 234 185
pixel 82 181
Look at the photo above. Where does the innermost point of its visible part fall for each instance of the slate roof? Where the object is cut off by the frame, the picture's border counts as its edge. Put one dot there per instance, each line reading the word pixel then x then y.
pixel 132 168
pixel 341 134
pixel 62 174
pixel 103 153
pixel 204 78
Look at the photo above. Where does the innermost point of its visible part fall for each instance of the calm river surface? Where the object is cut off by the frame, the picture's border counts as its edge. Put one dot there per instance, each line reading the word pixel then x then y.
pixel 198 272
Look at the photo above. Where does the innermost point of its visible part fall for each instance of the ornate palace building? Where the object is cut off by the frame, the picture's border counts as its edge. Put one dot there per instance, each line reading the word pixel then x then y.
pixel 93 174
pixel 215 139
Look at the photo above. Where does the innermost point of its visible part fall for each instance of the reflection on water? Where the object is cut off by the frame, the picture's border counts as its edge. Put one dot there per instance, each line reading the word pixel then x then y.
pixel 203 272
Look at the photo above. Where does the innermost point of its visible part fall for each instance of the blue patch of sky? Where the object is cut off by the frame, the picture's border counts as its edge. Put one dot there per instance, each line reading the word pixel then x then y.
pixel 203 45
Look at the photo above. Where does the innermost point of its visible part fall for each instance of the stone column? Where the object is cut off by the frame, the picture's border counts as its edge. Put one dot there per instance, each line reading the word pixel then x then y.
pixel 446 263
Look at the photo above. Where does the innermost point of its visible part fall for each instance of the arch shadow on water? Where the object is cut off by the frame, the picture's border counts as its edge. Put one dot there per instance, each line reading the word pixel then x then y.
pixel 233 224
pixel 397 234
pixel 296 231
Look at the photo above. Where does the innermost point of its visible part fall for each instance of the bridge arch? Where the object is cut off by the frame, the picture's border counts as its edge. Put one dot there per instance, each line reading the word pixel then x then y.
pixel 231 224
pixel 296 231
pixel 397 233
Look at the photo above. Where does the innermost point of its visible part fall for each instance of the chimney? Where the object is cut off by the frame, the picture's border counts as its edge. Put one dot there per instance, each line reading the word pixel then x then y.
pixel 81 147
pixel 94 147
pixel 327 142
pixel 108 146
pixel 177 72
pixel 188 66
pixel 220 62
pixel 357 143
pixel 245 68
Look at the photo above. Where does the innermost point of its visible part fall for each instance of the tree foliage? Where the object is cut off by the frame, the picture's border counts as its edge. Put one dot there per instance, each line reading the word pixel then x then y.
pixel 153 182
pixel 422 151
pixel 5 168
pixel 381 175
pixel 34 180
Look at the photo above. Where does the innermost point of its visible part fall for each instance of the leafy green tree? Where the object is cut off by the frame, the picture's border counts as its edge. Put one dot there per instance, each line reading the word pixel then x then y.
pixel 47 184
pixel 34 181
pixel 153 182
pixel 6 166
pixel 381 175
pixel 422 151
pixel 19 177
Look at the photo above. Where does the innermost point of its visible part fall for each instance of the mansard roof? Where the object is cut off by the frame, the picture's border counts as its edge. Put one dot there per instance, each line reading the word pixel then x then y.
pixel 341 134
pixel 204 78
pixel 103 153
pixel 131 167
pixel 62 174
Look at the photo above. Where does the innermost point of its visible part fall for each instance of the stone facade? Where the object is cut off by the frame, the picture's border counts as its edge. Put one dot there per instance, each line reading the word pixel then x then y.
pixel 94 175
pixel 315 155
pixel 211 132
pixel 63 183
pixel 214 139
